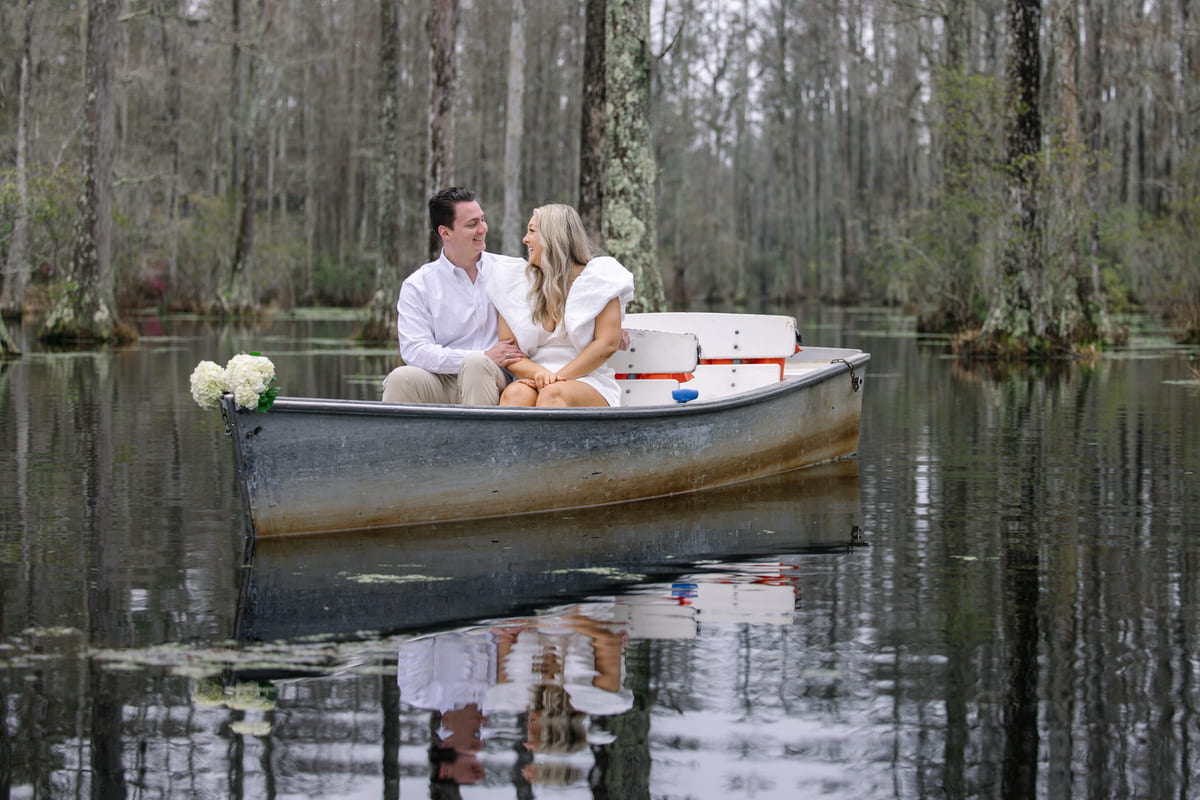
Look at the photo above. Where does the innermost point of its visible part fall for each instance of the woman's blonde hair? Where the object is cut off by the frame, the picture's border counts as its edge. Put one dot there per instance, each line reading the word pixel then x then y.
pixel 564 244
pixel 563 729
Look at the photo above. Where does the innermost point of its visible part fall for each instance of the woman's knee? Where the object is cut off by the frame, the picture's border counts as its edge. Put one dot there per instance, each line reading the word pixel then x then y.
pixel 569 393
pixel 554 395
pixel 518 394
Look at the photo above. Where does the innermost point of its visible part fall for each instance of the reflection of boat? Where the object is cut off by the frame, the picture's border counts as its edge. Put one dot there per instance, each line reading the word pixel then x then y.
pixel 313 465
pixel 441 574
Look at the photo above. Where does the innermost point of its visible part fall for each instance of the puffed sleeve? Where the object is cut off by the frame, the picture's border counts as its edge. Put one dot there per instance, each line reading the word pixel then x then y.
pixel 508 288
pixel 603 279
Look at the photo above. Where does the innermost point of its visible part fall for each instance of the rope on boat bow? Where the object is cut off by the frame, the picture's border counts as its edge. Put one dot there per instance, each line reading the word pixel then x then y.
pixel 855 381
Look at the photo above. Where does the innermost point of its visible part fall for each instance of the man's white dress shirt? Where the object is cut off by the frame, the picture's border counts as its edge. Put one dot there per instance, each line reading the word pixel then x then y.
pixel 443 315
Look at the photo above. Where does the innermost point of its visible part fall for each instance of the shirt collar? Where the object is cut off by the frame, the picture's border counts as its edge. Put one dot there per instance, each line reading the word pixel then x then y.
pixel 481 265
pixel 448 264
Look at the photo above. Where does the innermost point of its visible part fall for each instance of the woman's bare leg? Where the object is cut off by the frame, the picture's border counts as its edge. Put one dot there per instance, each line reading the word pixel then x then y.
pixel 518 394
pixel 562 394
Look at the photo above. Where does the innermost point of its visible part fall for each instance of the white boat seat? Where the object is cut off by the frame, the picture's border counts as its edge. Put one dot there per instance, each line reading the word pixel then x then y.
pixel 647 391
pixel 653 351
pixel 714 381
pixel 655 365
pixel 727 336
pixel 738 352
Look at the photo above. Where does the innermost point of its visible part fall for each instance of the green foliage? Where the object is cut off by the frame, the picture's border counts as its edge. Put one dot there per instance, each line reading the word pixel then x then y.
pixel 205 234
pixel 938 258
pixel 1151 259
pixel 53 214
pixel 205 244
pixel 349 283
pixel 968 114
pixel 267 399
pixel 278 264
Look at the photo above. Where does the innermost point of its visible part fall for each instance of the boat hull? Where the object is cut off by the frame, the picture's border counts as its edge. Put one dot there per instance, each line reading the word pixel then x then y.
pixel 312 466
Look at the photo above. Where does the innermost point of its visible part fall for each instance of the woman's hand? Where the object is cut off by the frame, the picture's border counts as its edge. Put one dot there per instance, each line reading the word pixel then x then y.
pixel 543 377
pixel 540 379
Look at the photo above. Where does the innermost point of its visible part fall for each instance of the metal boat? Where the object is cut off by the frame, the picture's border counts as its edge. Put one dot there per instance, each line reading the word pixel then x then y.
pixel 318 465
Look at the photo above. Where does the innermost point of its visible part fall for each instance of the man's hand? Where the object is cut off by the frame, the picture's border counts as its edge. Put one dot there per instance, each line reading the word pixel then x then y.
pixel 504 353
pixel 624 340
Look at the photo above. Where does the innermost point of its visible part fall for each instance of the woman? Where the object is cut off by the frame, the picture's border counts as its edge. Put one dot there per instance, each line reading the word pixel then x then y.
pixel 563 310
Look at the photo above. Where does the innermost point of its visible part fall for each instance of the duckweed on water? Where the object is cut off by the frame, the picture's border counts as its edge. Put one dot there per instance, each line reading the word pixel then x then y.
pixel 395 579
pixel 608 572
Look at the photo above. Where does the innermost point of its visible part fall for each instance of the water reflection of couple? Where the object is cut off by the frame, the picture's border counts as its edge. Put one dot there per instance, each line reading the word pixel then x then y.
pixel 556 672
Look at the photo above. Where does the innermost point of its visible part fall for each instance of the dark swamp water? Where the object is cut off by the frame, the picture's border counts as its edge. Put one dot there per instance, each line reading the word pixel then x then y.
pixel 1022 621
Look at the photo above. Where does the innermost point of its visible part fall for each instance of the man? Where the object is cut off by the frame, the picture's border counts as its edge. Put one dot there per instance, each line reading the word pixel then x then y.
pixel 447 324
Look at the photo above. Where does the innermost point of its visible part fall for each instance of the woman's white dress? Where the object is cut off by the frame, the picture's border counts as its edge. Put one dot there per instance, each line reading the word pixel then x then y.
pixel 601 280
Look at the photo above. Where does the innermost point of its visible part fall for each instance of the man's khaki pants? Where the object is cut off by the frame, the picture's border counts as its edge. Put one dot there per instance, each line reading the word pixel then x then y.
pixel 478 383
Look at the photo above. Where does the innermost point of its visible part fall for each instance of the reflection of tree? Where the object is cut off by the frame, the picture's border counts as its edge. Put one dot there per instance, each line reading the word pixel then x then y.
pixel 389 692
pixel 234 755
pixel 108 774
pixel 94 427
pixel 959 672
pixel 623 768
pixel 5 738
pixel 1020 574
pixel 1021 580
pixel 1038 410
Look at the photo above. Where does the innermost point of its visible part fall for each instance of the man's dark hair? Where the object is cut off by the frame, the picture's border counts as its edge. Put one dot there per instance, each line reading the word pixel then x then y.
pixel 441 206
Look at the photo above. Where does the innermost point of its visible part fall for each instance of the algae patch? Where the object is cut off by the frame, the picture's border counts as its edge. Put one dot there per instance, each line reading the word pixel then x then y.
pixel 392 579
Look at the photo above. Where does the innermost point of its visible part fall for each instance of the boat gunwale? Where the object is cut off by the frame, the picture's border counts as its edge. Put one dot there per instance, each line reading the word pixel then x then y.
pixel 762 394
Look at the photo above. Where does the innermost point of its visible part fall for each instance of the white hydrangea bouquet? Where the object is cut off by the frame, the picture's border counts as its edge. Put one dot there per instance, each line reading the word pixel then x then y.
pixel 247 376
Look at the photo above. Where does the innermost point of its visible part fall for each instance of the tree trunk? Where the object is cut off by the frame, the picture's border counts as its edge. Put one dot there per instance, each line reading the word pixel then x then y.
pixel 443 75
pixel 381 316
pixel 17 269
pixel 1190 93
pixel 1079 312
pixel 845 287
pixel 591 147
pixel 352 146
pixel 1190 136
pixel 1044 305
pixel 86 311
pixel 820 84
pixel 1093 132
pixel 1017 322
pixel 1022 264
pixel 238 297
pixel 514 128
pixel 741 146
pixel 628 216
pixel 308 105
pixel 952 282
pixel 237 85
pixel 169 42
